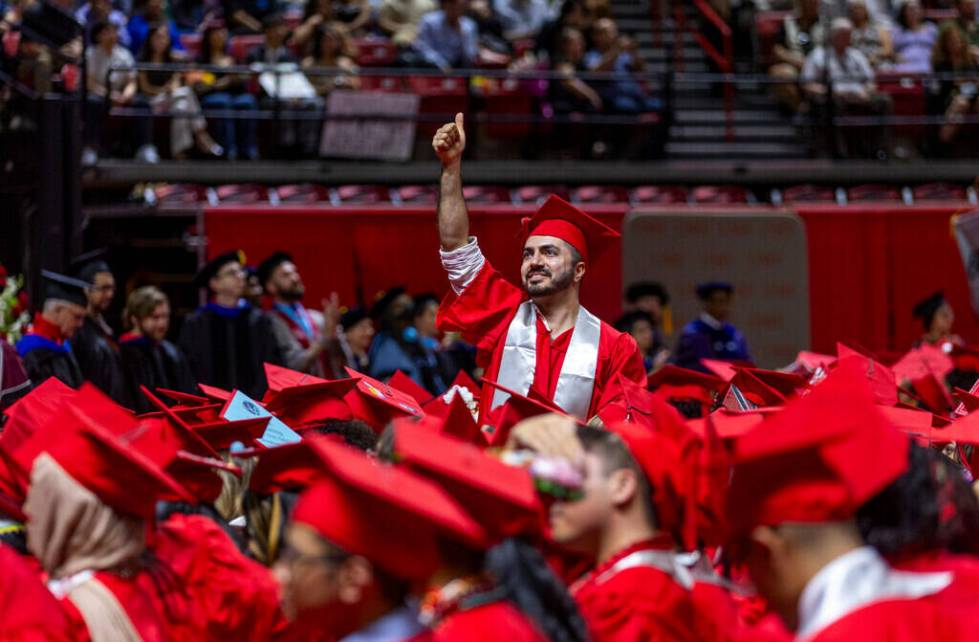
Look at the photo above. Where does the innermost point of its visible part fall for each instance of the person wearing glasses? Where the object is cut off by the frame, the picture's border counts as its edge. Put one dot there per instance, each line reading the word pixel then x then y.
pixel 227 341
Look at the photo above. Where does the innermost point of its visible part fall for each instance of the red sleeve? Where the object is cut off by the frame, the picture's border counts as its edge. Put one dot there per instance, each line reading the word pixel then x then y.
pixel 627 360
pixel 483 311
pixel 28 612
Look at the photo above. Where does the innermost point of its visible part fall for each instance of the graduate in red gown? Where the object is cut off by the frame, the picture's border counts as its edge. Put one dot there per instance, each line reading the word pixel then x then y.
pixel 28 611
pixel 537 338
pixel 631 519
pixel 798 481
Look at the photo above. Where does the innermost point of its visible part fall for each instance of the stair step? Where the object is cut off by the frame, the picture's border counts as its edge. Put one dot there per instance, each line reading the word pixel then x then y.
pixel 720 149
pixel 742 132
pixel 716 116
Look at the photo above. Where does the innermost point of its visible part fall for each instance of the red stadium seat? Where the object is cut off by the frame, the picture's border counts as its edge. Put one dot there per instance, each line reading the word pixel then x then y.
pixel 939 192
pixel 239 46
pixel 362 194
pixel 421 195
pixel 873 192
pixel 537 194
pixel 719 194
pixel 390 84
pixel 486 194
pixel 659 195
pixel 242 194
pixel 192 44
pixel 907 92
pixel 600 194
pixel 504 99
pixel 809 194
pixel 442 97
pixel 180 194
pixel 303 194
pixel 375 52
pixel 767 26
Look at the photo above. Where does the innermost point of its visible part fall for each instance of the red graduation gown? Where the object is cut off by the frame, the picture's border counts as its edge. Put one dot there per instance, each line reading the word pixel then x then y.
pixel 138 598
pixel 637 604
pixel 483 312
pixel 231 597
pixel 492 622
pixel 28 612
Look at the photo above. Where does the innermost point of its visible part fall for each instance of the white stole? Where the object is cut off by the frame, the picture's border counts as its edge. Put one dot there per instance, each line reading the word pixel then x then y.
pixel 518 364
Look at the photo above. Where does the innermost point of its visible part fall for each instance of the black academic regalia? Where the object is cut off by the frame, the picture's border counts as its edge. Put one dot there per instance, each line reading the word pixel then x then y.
pixel 154 365
pixel 98 358
pixel 43 363
pixel 228 348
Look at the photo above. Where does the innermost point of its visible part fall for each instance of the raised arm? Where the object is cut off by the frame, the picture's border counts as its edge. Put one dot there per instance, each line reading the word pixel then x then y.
pixel 449 143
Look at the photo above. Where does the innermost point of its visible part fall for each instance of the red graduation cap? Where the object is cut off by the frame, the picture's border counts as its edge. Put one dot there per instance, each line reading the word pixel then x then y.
pixel 807 362
pixel 280 378
pixel 785 384
pixel 463 380
pixel 560 219
pixel 516 408
pixel 626 401
pixel 377 404
pixel 111 468
pixel 934 394
pixel 297 405
pixel 671 375
pixel 192 442
pixel 292 467
pixel 183 398
pixel 728 424
pixel 723 369
pixel 756 390
pixel 808 463
pixel 883 383
pixel 501 498
pixel 361 502
pixel 220 435
pixel 459 423
pixel 668 455
pixel 214 393
pixel 969 401
pixel 404 383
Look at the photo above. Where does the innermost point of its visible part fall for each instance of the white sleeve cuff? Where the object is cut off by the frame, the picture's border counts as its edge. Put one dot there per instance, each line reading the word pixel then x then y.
pixel 463 264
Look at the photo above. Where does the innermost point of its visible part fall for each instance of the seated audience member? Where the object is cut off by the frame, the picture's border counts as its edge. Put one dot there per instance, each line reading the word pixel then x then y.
pixel 937 318
pixel 400 19
pixel 226 92
pixel 331 51
pixel 494 47
pixel 870 37
pixel 148 359
pixel 711 336
pixel 965 24
pixel 854 92
pixel 447 38
pixel 153 12
pixel 957 96
pixel 914 40
pixel 165 92
pixel 354 15
pixel 356 336
pixel 248 16
pixel 96 11
pixel 521 19
pixel 316 13
pixel 620 55
pixel 105 90
pixel 640 326
pixel 571 14
pixel 571 93
pixel 800 33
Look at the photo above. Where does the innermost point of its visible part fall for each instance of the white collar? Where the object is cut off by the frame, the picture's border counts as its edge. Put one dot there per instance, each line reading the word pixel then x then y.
pixel 854 581
pixel 711 321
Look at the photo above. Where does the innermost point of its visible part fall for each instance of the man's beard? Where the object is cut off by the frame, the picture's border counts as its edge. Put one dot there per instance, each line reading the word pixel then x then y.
pixel 558 283
pixel 293 295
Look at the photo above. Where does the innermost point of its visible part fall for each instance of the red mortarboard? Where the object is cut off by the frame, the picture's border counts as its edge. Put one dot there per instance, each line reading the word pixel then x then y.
pixel 785 384
pixel 671 375
pixel 723 369
pixel 625 400
pixel 463 380
pixel 560 219
pixel 221 434
pixel 118 473
pixel 755 390
pixel 191 415
pixel 501 498
pixel 298 405
pixel 459 423
pixel 280 378
pixel 669 457
pixel 404 383
pixel 289 467
pixel 516 408
pixel 360 503
pixel 376 403
pixel 215 393
pixel 192 442
pixel 728 424
pixel 183 398
pixel 808 463
pixel 934 394
pixel 969 401
pixel 883 383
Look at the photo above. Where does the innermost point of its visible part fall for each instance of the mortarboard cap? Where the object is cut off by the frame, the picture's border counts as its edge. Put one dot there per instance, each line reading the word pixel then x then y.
pixel 65 288
pixel 267 266
pixel 459 423
pixel 400 381
pixel 86 266
pixel 515 409
pixel 376 403
pixel 212 267
pixel 755 390
pixel 560 219
pixel 882 380
pixel 927 307
pixel 352 317
pixel 722 369
pixel 704 290
pixel 280 378
pixel 785 384
pixel 361 502
pixel 501 498
pixel 626 401
pixel 291 467
pixel 808 463
pixel 214 393
pixel 384 300
pixel 298 405
pixel 185 399
pixel 220 435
